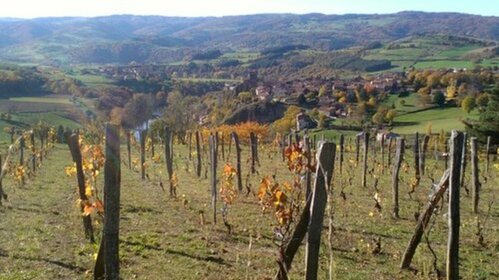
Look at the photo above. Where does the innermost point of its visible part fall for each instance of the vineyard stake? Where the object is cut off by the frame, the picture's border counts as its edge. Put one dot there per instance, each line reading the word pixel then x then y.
pixel 475 183
pixel 399 156
pixel 238 161
pixel 213 173
pixel 143 134
pixel 364 159
pixel 168 139
pixel 74 147
pixel 456 152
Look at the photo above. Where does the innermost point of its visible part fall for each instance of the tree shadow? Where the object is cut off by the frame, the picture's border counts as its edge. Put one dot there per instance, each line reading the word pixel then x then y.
pixel 59 263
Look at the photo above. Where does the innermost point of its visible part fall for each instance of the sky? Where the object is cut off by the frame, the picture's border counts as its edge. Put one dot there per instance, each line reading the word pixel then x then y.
pixel 90 8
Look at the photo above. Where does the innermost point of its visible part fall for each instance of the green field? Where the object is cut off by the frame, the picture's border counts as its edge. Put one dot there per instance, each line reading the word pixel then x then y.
pixel 445 119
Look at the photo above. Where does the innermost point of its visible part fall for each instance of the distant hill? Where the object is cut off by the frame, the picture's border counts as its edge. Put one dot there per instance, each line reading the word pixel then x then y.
pixel 157 39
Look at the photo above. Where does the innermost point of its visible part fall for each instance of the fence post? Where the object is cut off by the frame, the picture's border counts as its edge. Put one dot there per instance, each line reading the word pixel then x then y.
pixel 129 149
pixel 238 161
pixel 22 145
pixel 463 164
pixel 399 156
pixel 364 159
pixel 308 175
pixel 33 151
pixel 342 151
pixel 325 166
pixel 1 174
pixel 74 148
pixel 456 151
pixel 143 134
pixel 487 155
pixel 416 158
pixel 213 173
pixel 475 183
pixel 422 155
pixel 168 139
pixel 390 144
pixel 112 185
pixel 190 145
pixel 357 148
pixel 253 148
pixel 198 156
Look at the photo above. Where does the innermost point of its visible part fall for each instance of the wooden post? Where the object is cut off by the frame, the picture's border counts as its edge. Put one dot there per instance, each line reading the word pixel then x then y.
pixel 74 147
pixel 423 220
pixel 487 155
pixel 238 161
pixel 399 156
pixel 475 183
pixel 213 173
pixel 422 155
pixel 143 134
pixel 463 163
pixel 129 149
pixel 416 157
pixel 382 144
pixel 357 149
pixel 152 142
pixel 390 144
pixel 198 156
pixel 308 175
pixel 222 144
pixel 112 186
pixel 168 139
pixel 1 177
pixel 253 148
pixel 12 133
pixel 342 151
pixel 33 151
pixel 22 145
pixel 364 159
pixel 190 145
pixel 325 166
pixel 456 151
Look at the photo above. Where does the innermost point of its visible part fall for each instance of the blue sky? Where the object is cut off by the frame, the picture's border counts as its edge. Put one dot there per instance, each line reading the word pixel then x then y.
pixel 45 8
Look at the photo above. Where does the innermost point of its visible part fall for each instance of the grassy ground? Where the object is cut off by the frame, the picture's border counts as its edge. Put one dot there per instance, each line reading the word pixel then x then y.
pixel 162 238
pixel 440 119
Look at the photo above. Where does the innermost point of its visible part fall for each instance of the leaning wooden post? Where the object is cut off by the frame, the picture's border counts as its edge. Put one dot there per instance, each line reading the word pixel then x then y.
pixel 416 158
pixel 487 155
pixel 198 155
pixel 168 139
pixel 364 159
pixel 74 147
pixel 399 156
pixel 342 151
pixel 143 134
pixel 12 133
pixel 253 151
pixel 238 161
pixel 112 186
pixel 423 220
pixel 475 183
pixel 456 151
pixel 129 149
pixel 422 155
pixel 325 166
pixel 213 173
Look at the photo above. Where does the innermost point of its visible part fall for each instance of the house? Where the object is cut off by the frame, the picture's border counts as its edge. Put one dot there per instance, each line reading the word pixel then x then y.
pixel 263 93
pixel 303 121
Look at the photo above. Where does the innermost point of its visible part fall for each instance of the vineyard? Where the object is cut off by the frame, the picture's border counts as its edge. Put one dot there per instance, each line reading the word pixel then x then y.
pixel 237 202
